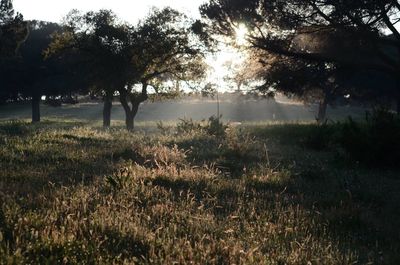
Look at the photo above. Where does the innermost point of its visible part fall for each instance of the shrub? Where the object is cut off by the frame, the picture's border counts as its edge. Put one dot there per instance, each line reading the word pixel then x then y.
pixel 320 137
pixel 164 129
pixel 215 126
pixel 188 126
pixel 375 142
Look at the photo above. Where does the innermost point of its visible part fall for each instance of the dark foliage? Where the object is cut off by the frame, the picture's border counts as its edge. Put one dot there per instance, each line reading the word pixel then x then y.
pixel 321 137
pixel 215 126
pixel 376 142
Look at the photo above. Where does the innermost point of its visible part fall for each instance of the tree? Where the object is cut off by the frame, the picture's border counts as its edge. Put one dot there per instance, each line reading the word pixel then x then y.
pixel 105 48
pixel 31 76
pixel 13 32
pixel 238 76
pixel 156 52
pixel 164 51
pixel 347 33
pixel 38 76
pixel 311 82
pixel 13 29
pixel 247 72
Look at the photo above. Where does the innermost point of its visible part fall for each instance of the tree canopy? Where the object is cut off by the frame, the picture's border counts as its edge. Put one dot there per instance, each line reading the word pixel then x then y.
pixel 156 52
pixel 30 76
pixel 13 29
pixel 349 32
pixel 308 35
pixel 164 52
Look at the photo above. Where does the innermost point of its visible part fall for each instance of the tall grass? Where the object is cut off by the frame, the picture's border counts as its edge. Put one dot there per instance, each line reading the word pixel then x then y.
pixel 76 194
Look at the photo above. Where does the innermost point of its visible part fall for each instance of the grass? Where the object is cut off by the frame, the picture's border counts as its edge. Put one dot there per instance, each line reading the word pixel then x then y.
pixel 73 193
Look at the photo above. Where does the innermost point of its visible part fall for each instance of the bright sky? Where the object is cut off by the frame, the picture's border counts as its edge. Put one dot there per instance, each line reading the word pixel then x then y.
pixel 128 10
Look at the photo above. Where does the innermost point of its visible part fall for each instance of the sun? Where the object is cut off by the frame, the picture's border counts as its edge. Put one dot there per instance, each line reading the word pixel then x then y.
pixel 241 32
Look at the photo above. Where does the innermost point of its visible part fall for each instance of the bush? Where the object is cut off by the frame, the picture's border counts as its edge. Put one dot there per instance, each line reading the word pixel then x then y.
pixel 164 129
pixel 215 126
pixel 320 137
pixel 375 142
pixel 188 126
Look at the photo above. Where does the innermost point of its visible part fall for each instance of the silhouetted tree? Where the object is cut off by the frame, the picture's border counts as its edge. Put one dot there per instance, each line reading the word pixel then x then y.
pixel 316 82
pixel 13 32
pixel 105 48
pixel 13 29
pixel 349 33
pixel 29 75
pixel 164 51
pixel 38 76
pixel 120 57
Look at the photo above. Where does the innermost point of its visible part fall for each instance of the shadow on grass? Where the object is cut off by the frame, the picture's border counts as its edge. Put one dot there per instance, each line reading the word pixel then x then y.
pixel 124 246
pixel 348 221
pixel 353 207
pixel 231 160
pixel 113 247
pixel 32 158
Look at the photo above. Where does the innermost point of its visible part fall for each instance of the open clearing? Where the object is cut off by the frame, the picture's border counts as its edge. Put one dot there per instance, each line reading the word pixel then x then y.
pixel 232 110
pixel 77 194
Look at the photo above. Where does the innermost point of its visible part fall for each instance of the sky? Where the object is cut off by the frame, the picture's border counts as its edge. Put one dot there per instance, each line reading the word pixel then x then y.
pixel 129 10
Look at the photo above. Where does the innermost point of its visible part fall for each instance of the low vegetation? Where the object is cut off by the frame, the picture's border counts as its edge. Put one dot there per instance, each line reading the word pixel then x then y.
pixel 75 194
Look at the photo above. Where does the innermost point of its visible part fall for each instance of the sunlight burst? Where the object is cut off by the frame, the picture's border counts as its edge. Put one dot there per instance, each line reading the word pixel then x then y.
pixel 241 34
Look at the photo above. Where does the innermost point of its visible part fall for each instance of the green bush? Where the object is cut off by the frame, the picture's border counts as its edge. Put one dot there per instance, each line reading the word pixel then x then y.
pixel 375 142
pixel 215 126
pixel 188 126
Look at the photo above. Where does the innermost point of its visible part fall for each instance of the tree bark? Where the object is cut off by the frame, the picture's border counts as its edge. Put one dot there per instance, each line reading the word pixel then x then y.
pixel 130 118
pixel 398 96
pixel 135 100
pixel 323 105
pixel 36 108
pixel 130 113
pixel 107 111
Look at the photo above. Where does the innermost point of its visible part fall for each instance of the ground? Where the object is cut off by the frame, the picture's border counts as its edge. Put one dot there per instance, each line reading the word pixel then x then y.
pixel 74 193
pixel 232 109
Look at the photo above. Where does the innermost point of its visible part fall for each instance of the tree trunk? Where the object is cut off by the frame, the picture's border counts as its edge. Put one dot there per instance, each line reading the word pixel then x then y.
pixel 36 108
pixel 107 111
pixel 398 97
pixel 130 114
pixel 323 105
pixel 135 101
pixel 130 120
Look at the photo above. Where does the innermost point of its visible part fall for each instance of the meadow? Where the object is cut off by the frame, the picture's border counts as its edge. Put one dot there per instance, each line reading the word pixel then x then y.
pixel 233 108
pixel 74 193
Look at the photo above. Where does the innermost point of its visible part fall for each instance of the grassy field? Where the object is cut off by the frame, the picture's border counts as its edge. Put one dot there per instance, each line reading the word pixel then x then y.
pixel 73 193
pixel 172 110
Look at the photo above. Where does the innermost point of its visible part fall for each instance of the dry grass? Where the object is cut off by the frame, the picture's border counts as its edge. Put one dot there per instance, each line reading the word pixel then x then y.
pixel 74 194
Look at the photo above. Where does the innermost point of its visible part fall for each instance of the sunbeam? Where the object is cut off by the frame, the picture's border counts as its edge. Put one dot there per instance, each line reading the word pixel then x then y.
pixel 241 34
